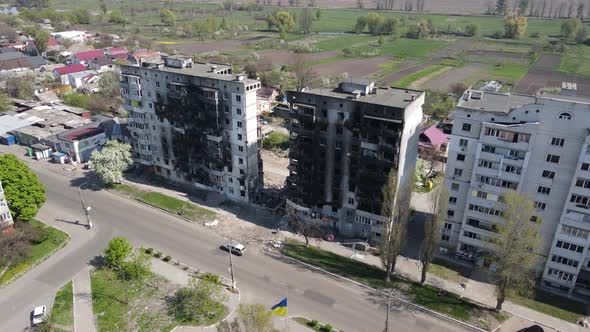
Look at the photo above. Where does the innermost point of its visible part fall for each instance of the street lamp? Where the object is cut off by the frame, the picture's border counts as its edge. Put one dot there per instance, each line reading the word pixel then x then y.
pixel 85 208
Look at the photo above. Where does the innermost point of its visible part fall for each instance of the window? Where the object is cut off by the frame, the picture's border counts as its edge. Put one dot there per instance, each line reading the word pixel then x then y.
pixel 485 210
pixel 242 172
pixel 239 124
pixel 551 158
pixel 238 98
pixel 548 174
pixel 466 127
pixel 239 137
pixel 565 116
pixel 453 200
pixel 239 111
pixel 445 237
pixel 512 169
pixel 540 205
pixel 450 213
pixel 448 225
pixel 573 231
pixel 351 201
pixel 470 235
pixel 569 246
pixel 226 121
pixel 543 190
pixel 230 179
pixel 564 261
pixel 585 166
pixel 463 143
pixel 157 84
pixel 583 201
pixel 240 148
pixel 560 274
pixel 557 141
pixel 241 161
pixel 243 193
pixel 460 157
pixel 583 183
pixel 458 172
pixel 455 186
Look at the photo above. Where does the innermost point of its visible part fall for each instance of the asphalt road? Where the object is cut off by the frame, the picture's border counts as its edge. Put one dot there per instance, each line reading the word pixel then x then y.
pixel 261 279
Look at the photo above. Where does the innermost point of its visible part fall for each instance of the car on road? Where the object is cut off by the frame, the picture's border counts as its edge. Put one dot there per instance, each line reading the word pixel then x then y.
pixel 39 314
pixel 234 247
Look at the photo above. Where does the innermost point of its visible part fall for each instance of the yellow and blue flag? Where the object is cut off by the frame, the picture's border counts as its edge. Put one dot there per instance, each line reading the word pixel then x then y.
pixel 280 308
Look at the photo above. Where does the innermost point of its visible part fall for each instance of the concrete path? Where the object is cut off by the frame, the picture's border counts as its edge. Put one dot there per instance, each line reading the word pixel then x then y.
pixel 83 315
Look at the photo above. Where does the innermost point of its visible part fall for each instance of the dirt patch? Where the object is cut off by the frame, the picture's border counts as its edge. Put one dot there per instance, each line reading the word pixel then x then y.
pixel 279 57
pixel 407 71
pixel 219 46
pixel 498 54
pixel 275 168
pixel 354 67
pixel 419 83
pixel 467 74
pixel 538 78
pixel 548 61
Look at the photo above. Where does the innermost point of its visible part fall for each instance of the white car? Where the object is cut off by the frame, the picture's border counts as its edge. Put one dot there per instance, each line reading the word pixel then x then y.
pixel 39 314
pixel 234 247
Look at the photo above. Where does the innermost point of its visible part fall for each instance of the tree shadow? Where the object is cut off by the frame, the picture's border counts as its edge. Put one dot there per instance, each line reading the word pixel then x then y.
pixel 74 222
pixel 89 181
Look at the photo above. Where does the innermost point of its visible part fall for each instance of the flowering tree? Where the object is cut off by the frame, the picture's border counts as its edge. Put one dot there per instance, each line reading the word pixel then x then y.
pixel 110 162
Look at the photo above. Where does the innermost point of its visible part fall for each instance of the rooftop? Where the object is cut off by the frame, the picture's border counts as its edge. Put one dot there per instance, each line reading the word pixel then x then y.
pixel 89 55
pixel 393 97
pixel 70 69
pixel 48 121
pixel 9 123
pixel 432 136
pixel 81 133
pixel 506 102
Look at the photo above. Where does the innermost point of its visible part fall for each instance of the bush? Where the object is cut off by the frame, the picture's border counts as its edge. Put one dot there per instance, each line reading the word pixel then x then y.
pixel 327 328
pixel 312 323
pixel 167 259
pixel 149 251
pixel 497 35
pixel 211 277
pixel 276 140
pixel 157 255
pixel 536 35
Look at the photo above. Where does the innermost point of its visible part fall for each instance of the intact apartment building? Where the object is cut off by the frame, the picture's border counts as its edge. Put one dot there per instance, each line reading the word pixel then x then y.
pixel 194 123
pixel 343 144
pixel 539 146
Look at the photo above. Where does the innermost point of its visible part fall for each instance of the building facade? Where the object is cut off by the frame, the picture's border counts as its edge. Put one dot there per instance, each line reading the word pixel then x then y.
pixel 194 123
pixel 344 142
pixel 538 146
pixel 5 216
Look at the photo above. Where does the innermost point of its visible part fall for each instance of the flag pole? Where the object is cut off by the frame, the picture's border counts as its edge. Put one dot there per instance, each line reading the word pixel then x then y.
pixel 287 315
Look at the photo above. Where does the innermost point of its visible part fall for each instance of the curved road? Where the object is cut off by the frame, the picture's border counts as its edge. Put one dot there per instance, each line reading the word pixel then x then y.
pixel 262 279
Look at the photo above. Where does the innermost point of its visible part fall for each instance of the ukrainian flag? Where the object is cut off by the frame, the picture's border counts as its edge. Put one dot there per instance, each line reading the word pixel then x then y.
pixel 280 308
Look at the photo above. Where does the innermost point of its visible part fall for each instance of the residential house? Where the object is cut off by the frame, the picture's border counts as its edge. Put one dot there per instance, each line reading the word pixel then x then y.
pixel 61 74
pixel 79 79
pixel 79 143
pixel 265 97
pixel 433 141
pixel 102 64
pixel 75 36
pixel 114 52
pixel 87 56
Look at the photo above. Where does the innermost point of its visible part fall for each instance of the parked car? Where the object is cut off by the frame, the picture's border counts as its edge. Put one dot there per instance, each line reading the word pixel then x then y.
pixel 234 247
pixel 39 315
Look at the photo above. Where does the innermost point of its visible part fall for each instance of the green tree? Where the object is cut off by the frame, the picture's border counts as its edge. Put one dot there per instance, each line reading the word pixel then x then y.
pixel 318 14
pixel 168 18
pixel 103 6
pixel 255 317
pixel 438 105
pixel 110 162
pixel 422 29
pixel 515 26
pixel 137 267
pixel 439 200
pixel 395 207
pixel 391 26
pixel 375 23
pixel 472 30
pixel 40 36
pixel 81 16
pixel 4 102
pixel 200 301
pixel 116 16
pixel 501 7
pixel 514 248
pixel 570 28
pixel 361 24
pixel 283 21
pixel 117 252
pixel 381 41
pixel 22 189
pixel 108 84
pixel 20 87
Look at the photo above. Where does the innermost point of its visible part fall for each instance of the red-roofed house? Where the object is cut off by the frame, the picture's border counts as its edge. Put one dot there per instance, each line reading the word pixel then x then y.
pixel 52 44
pixel 433 141
pixel 79 143
pixel 61 74
pixel 87 56
pixel 113 51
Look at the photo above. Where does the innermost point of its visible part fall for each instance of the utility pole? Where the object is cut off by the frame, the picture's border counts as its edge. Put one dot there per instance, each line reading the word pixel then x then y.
pixel 85 208
pixel 231 268
pixel 388 310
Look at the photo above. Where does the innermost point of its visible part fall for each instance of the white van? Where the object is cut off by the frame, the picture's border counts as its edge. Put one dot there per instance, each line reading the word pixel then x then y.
pixel 234 247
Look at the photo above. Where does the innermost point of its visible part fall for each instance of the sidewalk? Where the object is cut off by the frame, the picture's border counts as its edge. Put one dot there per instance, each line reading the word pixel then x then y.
pixel 179 276
pixel 83 315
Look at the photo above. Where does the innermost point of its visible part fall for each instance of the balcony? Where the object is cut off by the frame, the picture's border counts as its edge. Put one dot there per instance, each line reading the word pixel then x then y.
pixel 473 242
pixel 577 219
pixel 503 143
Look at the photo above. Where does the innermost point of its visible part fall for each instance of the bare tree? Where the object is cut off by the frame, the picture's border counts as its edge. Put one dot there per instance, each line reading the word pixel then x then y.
pixel 307 229
pixel 439 201
pixel 571 8
pixel 360 4
pixel 580 10
pixel 306 20
pixel 396 209
pixel 304 73
pixel 513 248
pixel 543 8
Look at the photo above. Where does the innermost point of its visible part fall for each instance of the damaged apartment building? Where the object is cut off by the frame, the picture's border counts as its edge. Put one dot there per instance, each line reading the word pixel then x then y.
pixel 194 123
pixel 344 142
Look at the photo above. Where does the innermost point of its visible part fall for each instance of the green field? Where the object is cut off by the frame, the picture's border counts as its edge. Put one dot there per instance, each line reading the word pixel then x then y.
pixel 576 60
pixel 164 202
pixel 510 71
pixel 53 240
pixel 62 312
pixel 409 79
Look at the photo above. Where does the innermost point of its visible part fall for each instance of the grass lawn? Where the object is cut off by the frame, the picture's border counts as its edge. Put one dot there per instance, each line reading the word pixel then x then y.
pixel 55 238
pixel 276 140
pixel 340 42
pixel 511 71
pixel 62 312
pixel 448 271
pixel 576 60
pixel 428 296
pixel 409 79
pixel 411 48
pixel 166 202
pixel 553 305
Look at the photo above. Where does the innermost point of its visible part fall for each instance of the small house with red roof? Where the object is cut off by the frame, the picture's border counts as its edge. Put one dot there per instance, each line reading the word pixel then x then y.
pixel 433 140
pixel 61 74
pixel 87 56
pixel 52 44
pixel 79 143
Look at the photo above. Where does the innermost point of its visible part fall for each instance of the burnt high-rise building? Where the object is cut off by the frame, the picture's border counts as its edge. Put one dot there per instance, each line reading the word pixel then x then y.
pixel 344 142
pixel 194 123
